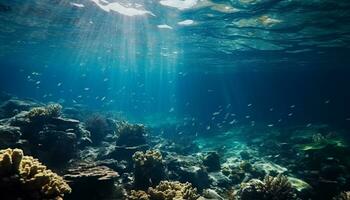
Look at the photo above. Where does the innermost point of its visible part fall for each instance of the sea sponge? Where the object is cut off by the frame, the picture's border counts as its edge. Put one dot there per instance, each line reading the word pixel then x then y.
pixel 24 177
pixel 173 190
pixel 50 111
pixel 272 188
pixel 148 168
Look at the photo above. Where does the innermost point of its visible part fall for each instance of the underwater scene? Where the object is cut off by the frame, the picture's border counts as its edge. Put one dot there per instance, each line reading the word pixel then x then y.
pixel 174 100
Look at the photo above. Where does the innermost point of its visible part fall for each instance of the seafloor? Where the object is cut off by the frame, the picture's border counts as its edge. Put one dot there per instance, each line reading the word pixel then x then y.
pixel 83 154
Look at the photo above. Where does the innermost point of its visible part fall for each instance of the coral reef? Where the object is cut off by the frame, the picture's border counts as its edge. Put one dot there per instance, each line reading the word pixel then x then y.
pixel 272 188
pixel 148 168
pixel 24 177
pixel 47 135
pixel 171 190
pixel 94 153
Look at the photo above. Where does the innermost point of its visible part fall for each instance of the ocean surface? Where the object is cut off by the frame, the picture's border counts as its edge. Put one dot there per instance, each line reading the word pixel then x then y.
pixel 193 69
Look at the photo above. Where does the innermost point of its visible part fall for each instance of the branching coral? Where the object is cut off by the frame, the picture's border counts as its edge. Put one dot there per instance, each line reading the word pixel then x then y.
pixel 167 190
pixel 272 188
pixel 149 168
pixel 50 111
pixel 24 177
pixel 279 187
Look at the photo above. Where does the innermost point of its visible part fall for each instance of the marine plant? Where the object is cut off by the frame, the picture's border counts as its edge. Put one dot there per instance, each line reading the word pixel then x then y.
pixel 98 127
pixel 24 177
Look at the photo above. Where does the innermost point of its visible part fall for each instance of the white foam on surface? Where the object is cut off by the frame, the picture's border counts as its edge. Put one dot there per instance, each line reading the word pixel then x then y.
pixel 78 5
pixel 186 22
pixel 123 10
pixel 164 26
pixel 179 4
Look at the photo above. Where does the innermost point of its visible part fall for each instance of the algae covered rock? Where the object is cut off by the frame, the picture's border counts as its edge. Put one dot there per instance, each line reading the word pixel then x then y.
pixel 212 162
pixel 24 177
pixel 9 135
pixel 90 181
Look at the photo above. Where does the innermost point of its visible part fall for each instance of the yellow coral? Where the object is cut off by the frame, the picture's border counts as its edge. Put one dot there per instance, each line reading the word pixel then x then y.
pixel 50 111
pixel 149 157
pixel 173 190
pixel 32 176
pixel 138 195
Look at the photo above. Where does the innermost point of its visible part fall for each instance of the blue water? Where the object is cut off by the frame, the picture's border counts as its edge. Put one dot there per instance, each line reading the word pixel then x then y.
pixel 271 62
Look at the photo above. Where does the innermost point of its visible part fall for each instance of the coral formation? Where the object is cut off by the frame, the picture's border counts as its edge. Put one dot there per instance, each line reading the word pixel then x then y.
pixel 272 188
pixel 166 190
pixel 131 138
pixel 131 135
pixel 42 113
pixel 148 168
pixel 47 135
pixel 173 190
pixel 24 177
pixel 138 195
